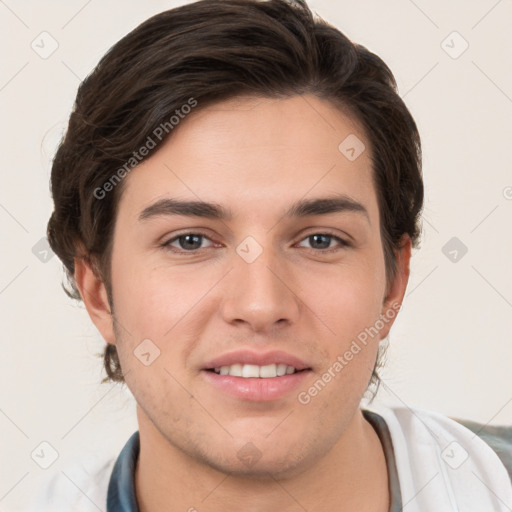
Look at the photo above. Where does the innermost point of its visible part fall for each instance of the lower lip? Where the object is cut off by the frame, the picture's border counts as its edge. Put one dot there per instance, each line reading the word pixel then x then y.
pixel 257 389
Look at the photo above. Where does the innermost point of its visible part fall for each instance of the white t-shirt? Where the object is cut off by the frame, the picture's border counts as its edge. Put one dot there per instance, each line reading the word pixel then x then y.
pixel 434 463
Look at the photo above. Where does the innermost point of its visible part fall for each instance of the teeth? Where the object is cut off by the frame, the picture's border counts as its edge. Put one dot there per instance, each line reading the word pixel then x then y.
pixel 252 370
pixel 281 370
pixel 267 371
pixel 235 370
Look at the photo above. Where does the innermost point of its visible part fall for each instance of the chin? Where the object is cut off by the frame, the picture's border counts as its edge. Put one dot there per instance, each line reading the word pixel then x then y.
pixel 262 461
pixel 263 469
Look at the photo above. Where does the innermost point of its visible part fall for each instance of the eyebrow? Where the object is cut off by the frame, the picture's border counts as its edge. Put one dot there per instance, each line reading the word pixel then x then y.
pixel 302 208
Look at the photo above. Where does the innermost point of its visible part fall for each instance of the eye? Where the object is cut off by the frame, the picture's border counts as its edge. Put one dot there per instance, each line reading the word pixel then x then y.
pixel 187 242
pixel 322 241
pixel 192 242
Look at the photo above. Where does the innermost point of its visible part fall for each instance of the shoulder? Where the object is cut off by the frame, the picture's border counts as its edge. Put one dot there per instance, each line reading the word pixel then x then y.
pixel 498 437
pixel 412 420
pixel 75 486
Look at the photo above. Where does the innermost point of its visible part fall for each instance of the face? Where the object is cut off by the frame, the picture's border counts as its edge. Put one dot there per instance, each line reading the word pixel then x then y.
pixel 266 279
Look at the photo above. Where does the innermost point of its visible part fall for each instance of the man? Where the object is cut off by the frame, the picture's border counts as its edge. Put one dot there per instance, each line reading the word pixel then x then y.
pixel 236 200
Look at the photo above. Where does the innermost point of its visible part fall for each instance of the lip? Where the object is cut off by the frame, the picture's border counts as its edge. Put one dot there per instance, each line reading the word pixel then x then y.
pixel 256 389
pixel 258 358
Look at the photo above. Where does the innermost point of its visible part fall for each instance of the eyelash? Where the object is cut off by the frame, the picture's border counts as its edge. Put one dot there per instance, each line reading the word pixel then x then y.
pixel 167 245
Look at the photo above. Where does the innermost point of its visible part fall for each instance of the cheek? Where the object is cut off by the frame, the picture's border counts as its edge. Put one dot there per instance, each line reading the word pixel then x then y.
pixel 168 306
pixel 350 300
pixel 151 299
pixel 349 306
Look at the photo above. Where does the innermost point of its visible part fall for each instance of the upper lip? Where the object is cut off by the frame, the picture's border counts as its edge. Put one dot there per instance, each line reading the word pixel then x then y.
pixel 257 358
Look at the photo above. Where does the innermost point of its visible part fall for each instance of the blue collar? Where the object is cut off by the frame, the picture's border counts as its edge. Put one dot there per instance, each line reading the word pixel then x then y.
pixel 121 488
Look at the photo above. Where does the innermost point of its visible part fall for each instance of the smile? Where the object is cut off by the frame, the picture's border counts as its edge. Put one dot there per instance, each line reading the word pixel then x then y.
pixel 268 371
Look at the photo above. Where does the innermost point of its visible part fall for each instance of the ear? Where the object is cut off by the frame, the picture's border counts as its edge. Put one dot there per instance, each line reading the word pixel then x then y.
pixel 94 295
pixel 397 286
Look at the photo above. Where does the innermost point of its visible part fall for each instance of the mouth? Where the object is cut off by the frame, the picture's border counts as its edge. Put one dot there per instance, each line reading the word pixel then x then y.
pixel 256 377
pixel 248 371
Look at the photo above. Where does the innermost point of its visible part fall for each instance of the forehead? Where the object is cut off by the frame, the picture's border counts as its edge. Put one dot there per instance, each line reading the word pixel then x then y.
pixel 254 153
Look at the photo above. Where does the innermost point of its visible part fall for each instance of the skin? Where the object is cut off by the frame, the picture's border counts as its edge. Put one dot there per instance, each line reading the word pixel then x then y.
pixel 257 157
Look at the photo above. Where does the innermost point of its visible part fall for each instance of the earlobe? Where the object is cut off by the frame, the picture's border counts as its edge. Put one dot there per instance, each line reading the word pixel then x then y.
pixel 94 295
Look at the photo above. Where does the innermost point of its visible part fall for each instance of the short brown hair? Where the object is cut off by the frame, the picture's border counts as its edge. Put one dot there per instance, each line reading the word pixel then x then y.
pixel 213 50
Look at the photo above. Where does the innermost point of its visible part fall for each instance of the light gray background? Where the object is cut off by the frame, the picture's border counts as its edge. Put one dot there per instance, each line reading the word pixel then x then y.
pixel 451 348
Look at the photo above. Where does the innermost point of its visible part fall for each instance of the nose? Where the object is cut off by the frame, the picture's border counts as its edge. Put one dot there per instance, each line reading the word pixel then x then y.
pixel 260 294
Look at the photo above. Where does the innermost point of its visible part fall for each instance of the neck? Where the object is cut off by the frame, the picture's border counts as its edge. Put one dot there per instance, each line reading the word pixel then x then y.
pixel 352 475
